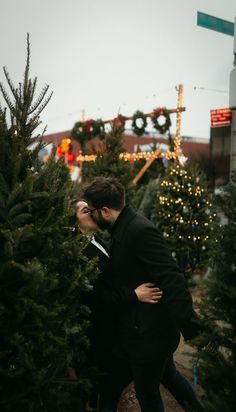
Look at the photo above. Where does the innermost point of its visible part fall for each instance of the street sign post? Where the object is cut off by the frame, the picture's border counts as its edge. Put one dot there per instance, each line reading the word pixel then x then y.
pixel 214 23
pixel 229 28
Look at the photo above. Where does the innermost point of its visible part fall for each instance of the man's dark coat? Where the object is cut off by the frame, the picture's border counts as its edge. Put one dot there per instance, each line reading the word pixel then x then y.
pixel 138 255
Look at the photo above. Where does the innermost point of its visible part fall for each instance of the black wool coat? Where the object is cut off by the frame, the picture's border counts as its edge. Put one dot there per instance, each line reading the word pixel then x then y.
pixel 101 331
pixel 138 255
pixel 103 301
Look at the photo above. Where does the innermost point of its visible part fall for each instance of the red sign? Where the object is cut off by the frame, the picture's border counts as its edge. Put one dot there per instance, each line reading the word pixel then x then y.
pixel 221 117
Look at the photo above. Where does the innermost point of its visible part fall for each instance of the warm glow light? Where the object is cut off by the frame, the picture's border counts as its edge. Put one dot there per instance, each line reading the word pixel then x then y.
pixel 133 157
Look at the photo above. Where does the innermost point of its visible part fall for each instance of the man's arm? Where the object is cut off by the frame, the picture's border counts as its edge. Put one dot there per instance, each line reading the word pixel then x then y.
pixel 104 294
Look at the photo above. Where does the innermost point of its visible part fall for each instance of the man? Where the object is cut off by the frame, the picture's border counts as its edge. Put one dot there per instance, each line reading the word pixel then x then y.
pixel 101 300
pixel 148 334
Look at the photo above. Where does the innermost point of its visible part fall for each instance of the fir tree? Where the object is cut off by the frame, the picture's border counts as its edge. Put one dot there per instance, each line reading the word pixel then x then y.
pixel 186 215
pixel 42 270
pixel 216 360
pixel 147 205
pixel 108 162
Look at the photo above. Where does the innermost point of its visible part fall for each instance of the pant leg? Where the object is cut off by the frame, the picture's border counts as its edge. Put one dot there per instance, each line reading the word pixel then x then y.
pixel 147 380
pixel 112 384
pixel 179 387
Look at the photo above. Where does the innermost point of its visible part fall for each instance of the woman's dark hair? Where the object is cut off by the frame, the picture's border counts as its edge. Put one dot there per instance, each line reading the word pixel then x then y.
pixel 73 219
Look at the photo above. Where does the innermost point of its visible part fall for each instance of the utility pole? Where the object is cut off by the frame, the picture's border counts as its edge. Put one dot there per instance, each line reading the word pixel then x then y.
pixel 232 106
pixel 228 28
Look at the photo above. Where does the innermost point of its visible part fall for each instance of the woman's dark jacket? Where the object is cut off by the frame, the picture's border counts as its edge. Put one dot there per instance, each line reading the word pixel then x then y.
pixel 102 301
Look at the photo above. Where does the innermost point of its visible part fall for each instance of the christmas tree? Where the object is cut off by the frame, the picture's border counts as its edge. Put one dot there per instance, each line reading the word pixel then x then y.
pixel 216 360
pixel 185 215
pixel 108 162
pixel 42 270
pixel 147 205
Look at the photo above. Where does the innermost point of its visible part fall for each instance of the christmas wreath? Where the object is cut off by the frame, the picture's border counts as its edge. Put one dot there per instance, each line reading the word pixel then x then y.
pixel 79 133
pixel 98 128
pixel 139 130
pixel 119 123
pixel 85 131
pixel 162 128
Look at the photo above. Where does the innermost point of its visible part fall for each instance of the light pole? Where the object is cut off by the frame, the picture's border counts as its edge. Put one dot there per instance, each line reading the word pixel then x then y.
pixel 232 106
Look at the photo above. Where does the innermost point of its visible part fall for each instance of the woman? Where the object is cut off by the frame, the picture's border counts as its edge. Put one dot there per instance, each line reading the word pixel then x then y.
pixel 103 301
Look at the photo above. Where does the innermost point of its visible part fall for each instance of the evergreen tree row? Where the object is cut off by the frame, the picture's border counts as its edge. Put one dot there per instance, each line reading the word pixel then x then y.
pixel 216 351
pixel 43 272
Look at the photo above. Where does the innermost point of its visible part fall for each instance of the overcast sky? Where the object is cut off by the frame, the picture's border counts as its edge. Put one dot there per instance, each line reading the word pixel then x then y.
pixel 110 56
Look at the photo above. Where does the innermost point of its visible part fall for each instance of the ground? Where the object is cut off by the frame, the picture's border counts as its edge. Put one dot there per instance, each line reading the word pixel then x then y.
pixel 128 402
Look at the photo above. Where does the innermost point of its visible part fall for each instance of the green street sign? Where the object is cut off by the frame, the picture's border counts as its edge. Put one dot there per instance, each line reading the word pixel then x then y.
pixel 214 23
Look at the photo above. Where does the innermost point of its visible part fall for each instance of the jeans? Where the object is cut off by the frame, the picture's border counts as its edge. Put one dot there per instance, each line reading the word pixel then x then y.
pixel 147 379
pixel 180 388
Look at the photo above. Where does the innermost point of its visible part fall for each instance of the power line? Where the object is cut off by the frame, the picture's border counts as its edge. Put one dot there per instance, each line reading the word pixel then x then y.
pixel 209 90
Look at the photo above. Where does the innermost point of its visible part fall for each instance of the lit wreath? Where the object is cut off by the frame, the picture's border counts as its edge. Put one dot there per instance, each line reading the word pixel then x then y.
pixel 139 130
pixel 162 128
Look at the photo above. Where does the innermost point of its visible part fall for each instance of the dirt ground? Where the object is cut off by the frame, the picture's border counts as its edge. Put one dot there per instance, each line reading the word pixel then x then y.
pixel 129 403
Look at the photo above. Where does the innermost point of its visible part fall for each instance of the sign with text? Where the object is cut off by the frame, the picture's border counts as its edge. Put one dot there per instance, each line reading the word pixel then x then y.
pixel 214 23
pixel 221 117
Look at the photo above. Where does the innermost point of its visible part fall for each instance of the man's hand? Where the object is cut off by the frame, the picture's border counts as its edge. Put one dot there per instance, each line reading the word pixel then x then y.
pixel 148 293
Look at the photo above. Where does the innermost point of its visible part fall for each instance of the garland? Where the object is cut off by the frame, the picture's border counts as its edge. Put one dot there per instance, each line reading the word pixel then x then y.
pixel 161 111
pixel 139 130
pixel 85 131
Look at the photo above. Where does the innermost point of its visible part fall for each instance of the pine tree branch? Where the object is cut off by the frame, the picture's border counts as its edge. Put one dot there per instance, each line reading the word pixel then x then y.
pixel 20 91
pixel 33 88
pixel 26 73
pixel 40 108
pixel 7 99
pixel 10 83
pixel 40 99
pixel 18 208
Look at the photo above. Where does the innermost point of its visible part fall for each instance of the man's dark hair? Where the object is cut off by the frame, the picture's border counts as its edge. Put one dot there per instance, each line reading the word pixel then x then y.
pixel 105 191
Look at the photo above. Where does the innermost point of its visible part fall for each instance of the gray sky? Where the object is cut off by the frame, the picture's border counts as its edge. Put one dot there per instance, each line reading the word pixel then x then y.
pixel 106 56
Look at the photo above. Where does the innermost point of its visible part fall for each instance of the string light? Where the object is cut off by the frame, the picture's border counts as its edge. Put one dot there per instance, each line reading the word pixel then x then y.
pixel 183 182
pixel 134 157
pixel 86 158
